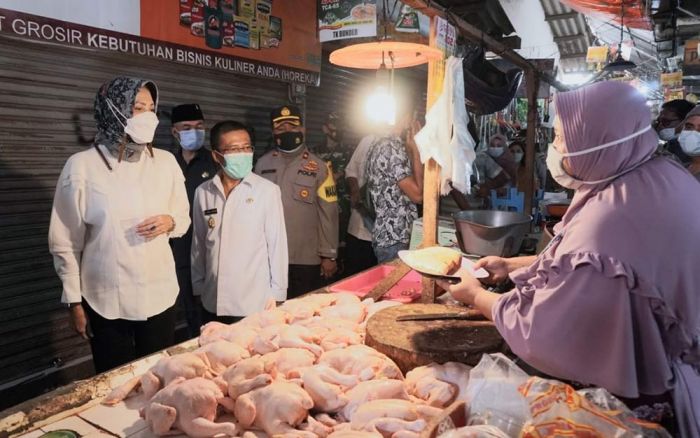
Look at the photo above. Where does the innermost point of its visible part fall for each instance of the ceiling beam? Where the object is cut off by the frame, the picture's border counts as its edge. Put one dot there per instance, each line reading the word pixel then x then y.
pixel 569 38
pixel 475 34
pixel 564 16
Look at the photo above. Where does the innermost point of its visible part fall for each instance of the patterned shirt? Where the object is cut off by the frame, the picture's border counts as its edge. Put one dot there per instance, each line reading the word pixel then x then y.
pixel 387 164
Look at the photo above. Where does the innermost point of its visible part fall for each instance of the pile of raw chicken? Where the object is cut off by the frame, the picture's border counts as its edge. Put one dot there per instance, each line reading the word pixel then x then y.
pixel 298 370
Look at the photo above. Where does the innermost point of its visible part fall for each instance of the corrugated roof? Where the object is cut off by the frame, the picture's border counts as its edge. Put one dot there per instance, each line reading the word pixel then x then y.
pixel 571 33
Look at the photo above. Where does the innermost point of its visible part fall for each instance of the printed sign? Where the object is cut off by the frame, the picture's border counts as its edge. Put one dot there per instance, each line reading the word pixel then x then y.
pixel 598 54
pixel 691 60
pixel 446 36
pixel 247 37
pixel 341 19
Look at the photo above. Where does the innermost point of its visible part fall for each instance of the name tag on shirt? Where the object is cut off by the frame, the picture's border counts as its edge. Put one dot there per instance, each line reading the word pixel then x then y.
pixel 263 172
pixel 210 211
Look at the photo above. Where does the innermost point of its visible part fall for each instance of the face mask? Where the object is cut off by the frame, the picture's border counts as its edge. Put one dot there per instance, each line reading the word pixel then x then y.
pixel 518 156
pixel 690 142
pixel 555 159
pixel 289 141
pixel 237 166
pixel 667 134
pixel 141 127
pixel 192 139
pixel 495 152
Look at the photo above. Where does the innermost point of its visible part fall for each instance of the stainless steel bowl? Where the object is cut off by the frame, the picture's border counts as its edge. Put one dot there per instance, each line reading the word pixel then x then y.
pixel 491 232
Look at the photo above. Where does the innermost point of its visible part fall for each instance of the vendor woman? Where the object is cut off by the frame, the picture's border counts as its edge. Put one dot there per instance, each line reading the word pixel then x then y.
pixel 116 205
pixel 614 300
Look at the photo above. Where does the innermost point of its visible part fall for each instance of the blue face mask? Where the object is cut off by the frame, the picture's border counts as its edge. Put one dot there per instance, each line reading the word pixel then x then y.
pixel 237 166
pixel 192 139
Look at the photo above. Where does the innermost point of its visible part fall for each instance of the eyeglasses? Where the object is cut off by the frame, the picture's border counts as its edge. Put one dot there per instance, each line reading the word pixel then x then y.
pixel 667 123
pixel 234 150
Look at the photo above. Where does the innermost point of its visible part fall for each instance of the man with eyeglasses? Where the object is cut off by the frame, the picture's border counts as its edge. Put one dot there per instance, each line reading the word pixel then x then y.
pixel 310 202
pixel 239 244
pixel 669 124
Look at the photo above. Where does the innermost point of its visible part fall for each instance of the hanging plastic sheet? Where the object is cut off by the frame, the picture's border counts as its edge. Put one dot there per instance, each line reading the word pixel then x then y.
pixel 611 10
pixel 486 88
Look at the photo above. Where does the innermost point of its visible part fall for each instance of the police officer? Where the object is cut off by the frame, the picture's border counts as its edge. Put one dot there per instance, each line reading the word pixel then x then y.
pixel 198 166
pixel 310 202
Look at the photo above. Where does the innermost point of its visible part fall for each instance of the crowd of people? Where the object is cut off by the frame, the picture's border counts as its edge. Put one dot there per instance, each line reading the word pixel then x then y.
pixel 135 229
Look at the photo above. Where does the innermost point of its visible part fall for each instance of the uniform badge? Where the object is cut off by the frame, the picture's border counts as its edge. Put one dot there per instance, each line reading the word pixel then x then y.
pixel 249 201
pixel 205 174
pixel 304 193
pixel 211 222
pixel 311 166
pixel 285 111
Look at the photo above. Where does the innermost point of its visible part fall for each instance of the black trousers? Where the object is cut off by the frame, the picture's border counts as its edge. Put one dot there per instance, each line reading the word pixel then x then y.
pixel 186 302
pixel 207 316
pixel 359 255
pixel 115 342
pixel 303 279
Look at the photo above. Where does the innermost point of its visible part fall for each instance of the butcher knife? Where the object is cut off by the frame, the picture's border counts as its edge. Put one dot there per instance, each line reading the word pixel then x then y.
pixel 469 316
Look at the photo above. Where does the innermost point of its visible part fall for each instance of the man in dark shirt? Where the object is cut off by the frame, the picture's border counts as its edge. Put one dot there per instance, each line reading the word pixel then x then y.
pixel 669 124
pixel 198 166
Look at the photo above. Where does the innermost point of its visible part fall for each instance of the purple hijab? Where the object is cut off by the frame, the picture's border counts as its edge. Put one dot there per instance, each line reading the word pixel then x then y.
pixel 614 301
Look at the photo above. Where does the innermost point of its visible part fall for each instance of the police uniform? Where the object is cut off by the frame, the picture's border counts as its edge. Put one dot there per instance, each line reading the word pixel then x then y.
pixel 310 211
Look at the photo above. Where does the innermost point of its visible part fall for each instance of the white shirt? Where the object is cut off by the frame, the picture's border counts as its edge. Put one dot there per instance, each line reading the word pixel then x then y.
pixel 239 246
pixel 356 169
pixel 92 236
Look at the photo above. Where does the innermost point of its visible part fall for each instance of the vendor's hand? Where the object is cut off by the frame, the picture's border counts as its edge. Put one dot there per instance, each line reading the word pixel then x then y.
pixel 497 267
pixel 328 268
pixel 354 199
pixel 466 290
pixel 79 320
pixel 155 226
pixel 483 192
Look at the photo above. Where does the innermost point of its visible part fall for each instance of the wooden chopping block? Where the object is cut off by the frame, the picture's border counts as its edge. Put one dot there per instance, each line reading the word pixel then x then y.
pixel 387 283
pixel 416 343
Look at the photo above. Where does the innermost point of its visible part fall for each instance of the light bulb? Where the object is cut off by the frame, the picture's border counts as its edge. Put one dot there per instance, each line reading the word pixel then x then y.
pixel 380 106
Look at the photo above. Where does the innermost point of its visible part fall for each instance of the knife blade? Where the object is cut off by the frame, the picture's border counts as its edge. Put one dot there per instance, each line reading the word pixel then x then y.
pixel 473 316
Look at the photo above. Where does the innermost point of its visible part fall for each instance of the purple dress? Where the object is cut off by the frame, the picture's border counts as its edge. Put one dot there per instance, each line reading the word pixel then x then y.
pixel 614 301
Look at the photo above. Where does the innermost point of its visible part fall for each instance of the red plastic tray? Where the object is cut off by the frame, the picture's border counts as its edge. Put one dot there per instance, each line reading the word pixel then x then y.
pixel 408 289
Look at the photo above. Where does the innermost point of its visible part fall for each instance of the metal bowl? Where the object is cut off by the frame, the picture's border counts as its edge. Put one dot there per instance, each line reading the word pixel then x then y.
pixel 491 232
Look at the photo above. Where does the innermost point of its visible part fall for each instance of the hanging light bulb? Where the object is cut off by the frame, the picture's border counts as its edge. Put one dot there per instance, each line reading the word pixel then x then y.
pixel 380 106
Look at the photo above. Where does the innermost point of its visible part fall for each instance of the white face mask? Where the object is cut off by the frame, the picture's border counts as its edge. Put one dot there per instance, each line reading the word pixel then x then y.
pixel 690 142
pixel 141 127
pixel 192 139
pixel 518 157
pixel 667 134
pixel 556 168
pixel 495 152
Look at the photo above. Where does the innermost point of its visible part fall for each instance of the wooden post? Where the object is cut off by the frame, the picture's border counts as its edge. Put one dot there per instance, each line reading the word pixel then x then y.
pixel 532 87
pixel 431 175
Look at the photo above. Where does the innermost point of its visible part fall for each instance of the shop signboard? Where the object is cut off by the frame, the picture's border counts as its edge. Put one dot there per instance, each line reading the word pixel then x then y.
pixel 260 38
pixel 598 54
pixel 341 19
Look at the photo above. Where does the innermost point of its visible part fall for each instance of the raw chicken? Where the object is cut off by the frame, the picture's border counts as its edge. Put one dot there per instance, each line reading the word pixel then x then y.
pixel 273 338
pixel 390 416
pixel 223 354
pixel 288 362
pixel 167 369
pixel 245 376
pixel 316 427
pixel 364 362
pixel 343 298
pixel 276 409
pixel 354 312
pixel 326 387
pixel 372 390
pixel 265 318
pixel 438 385
pixel 188 406
pixel 340 338
pixel 355 434
pixel 321 326
pixel 238 334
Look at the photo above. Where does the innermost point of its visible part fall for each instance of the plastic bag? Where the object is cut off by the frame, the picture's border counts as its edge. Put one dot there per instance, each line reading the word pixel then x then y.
pixel 483 431
pixel 558 410
pixel 493 394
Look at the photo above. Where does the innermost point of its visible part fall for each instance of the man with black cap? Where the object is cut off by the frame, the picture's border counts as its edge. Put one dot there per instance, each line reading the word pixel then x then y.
pixel 198 166
pixel 310 202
